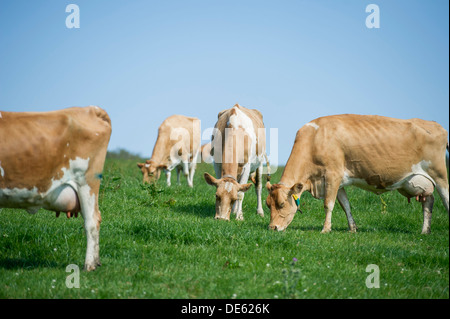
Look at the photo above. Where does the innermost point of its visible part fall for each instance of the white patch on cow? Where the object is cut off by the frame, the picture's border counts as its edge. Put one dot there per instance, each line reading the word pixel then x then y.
pixel 96 134
pixel 67 144
pixel 240 119
pixel 147 165
pixel 60 192
pixel 228 187
pixel 2 171
pixel 0 115
pixel 313 125
pixel 419 169
pixel 416 169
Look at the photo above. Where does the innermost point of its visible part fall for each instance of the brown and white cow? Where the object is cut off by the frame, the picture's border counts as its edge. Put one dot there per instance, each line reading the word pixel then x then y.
pixel 177 146
pixel 54 160
pixel 238 148
pixel 375 153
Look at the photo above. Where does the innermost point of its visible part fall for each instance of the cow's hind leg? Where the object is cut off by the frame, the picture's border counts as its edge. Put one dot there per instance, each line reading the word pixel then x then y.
pixel 92 219
pixel 442 189
pixel 427 207
pixel 345 204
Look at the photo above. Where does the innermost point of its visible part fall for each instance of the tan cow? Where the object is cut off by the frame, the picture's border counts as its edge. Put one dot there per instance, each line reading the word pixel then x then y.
pixel 238 149
pixel 177 146
pixel 54 160
pixel 375 153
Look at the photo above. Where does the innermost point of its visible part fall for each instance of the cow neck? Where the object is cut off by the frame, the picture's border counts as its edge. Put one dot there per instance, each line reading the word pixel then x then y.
pixel 230 169
pixel 295 171
pixel 160 152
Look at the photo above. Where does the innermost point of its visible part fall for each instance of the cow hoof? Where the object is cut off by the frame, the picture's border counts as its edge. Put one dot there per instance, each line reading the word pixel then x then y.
pixel 90 267
pixel 260 213
pixel 426 232
pixel 353 229
pixel 325 231
pixel 240 217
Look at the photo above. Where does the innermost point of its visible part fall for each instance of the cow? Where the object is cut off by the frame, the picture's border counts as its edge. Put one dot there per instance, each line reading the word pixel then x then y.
pixel 238 149
pixel 54 160
pixel 177 146
pixel 371 152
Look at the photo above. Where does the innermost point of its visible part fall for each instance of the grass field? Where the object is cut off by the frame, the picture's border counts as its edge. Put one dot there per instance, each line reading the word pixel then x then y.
pixel 161 242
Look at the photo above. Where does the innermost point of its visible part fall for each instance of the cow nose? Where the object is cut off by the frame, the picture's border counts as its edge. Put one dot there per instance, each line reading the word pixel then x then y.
pixel 273 227
pixel 220 217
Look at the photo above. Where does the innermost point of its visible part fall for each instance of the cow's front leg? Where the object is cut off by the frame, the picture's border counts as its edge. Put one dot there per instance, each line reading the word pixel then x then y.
pixel 92 219
pixel 427 207
pixel 330 199
pixel 178 175
pixel 258 189
pixel 345 204
pixel 240 195
pixel 168 174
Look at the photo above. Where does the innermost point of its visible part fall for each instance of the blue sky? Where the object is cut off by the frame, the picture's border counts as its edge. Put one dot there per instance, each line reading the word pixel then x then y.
pixel 295 60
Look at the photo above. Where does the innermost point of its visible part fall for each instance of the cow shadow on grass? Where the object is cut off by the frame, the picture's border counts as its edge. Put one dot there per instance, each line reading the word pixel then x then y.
pixel 365 229
pixel 202 210
pixel 29 263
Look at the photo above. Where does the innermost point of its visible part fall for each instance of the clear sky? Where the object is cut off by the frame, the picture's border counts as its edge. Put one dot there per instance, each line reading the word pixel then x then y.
pixel 293 60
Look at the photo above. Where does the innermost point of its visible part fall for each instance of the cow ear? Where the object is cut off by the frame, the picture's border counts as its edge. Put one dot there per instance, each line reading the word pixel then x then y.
pixel 268 186
pixel 296 189
pixel 140 165
pixel 163 166
pixel 210 180
pixel 244 187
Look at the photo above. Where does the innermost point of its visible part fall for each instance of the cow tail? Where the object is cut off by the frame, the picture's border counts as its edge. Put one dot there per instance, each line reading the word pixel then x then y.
pixel 446 157
pixel 268 166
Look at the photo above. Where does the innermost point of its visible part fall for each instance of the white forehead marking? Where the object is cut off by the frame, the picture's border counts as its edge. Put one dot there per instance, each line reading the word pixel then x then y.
pixel 67 144
pixel 2 171
pixel 313 125
pixel 228 187
pixel 0 115
pixel 147 165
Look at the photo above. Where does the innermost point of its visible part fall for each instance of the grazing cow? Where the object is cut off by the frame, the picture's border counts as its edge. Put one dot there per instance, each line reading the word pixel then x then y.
pixel 177 146
pixel 239 148
pixel 54 160
pixel 375 153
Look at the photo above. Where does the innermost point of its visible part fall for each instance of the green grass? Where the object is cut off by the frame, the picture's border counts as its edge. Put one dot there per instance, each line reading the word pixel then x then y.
pixel 161 242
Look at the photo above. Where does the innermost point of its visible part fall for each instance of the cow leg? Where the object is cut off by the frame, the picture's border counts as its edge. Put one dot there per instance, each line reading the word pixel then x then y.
pixel 427 207
pixel 192 169
pixel 178 175
pixel 330 199
pixel 258 189
pixel 240 195
pixel 168 174
pixel 186 172
pixel 92 219
pixel 442 188
pixel 345 204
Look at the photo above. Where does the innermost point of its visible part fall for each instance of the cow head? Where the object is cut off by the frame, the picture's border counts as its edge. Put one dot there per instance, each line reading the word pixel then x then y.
pixel 226 195
pixel 282 205
pixel 150 171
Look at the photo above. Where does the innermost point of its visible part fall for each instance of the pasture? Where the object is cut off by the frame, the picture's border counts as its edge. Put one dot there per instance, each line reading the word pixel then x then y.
pixel 161 242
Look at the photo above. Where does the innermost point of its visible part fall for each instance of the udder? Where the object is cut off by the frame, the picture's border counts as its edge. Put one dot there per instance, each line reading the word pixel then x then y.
pixel 417 185
pixel 63 199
